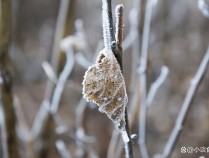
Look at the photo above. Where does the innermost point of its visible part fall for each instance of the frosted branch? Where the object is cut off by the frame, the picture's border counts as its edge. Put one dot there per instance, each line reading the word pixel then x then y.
pixel 62 149
pixel 119 25
pixel 195 82
pixel 62 80
pixel 49 71
pixel 155 86
pixel 143 78
pixel 108 32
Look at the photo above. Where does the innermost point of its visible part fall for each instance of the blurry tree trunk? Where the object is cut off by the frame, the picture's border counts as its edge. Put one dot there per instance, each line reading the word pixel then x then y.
pixel 6 96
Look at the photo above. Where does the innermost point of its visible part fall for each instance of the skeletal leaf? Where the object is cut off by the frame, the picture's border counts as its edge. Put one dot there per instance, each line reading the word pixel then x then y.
pixel 104 85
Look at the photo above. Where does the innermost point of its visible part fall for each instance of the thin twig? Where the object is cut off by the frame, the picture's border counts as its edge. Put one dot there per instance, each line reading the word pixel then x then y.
pixel 60 26
pixel 118 53
pixel 132 39
pixel 62 80
pixel 108 30
pixel 194 85
pixel 62 149
pixel 156 85
pixel 50 73
pixel 23 130
pixel 143 79
pixel 47 109
pixel 119 25
pixel 195 82
pixel 80 132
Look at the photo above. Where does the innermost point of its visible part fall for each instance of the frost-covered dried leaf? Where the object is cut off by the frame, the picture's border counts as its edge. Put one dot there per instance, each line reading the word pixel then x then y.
pixel 104 85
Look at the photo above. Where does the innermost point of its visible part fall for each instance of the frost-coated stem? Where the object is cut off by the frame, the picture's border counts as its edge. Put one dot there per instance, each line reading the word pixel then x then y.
pixel 118 53
pixel 109 39
pixel 108 30
pixel 195 82
pixel 119 24
pixel 143 79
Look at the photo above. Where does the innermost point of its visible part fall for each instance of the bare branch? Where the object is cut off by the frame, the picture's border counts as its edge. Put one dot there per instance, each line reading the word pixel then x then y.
pixel 108 30
pixel 119 25
pixel 79 127
pixel 143 78
pixel 49 71
pixel 23 130
pixel 60 26
pixel 62 80
pixel 109 42
pixel 194 85
pixel 156 85
pixel 62 149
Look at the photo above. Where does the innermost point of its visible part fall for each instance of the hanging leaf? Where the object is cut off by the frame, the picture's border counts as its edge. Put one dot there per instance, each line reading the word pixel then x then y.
pixel 104 85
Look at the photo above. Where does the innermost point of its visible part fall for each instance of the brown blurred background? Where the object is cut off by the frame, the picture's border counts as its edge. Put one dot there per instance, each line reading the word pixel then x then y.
pixel 179 37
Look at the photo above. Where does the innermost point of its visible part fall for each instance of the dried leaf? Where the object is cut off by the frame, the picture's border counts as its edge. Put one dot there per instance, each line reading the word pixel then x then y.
pixel 104 85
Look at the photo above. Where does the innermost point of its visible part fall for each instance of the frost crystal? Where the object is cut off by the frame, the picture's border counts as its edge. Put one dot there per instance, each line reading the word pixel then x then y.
pixel 100 86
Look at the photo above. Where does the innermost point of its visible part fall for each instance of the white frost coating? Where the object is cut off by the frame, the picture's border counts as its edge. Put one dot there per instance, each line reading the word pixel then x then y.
pixel 106 25
pixel 203 7
pixel 125 136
